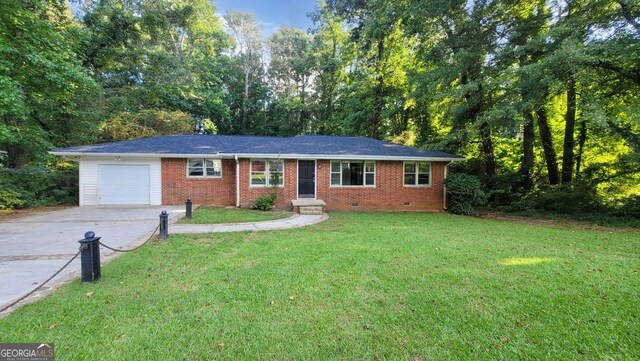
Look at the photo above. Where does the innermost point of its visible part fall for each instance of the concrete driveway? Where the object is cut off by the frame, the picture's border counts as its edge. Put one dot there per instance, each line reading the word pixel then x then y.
pixel 32 248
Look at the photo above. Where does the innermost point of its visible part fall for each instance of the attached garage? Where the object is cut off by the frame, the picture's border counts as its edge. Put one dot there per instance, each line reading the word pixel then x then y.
pixel 113 181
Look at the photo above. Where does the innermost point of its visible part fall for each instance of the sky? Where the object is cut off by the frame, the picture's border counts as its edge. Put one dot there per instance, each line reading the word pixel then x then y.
pixel 272 14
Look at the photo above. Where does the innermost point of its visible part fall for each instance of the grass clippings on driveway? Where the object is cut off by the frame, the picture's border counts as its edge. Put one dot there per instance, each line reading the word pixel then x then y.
pixel 215 215
pixel 410 286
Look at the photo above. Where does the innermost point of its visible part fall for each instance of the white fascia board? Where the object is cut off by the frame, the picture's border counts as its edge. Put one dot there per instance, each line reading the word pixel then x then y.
pixel 140 155
pixel 258 155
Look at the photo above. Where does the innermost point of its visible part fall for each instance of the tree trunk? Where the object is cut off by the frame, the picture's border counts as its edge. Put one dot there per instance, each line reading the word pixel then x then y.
pixel 569 130
pixel 16 156
pixel 245 100
pixel 582 138
pixel 528 135
pixel 547 145
pixel 377 94
pixel 487 149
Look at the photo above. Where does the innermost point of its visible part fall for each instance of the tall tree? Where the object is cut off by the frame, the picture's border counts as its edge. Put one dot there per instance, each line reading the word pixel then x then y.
pixel 157 55
pixel 333 54
pixel 290 78
pixel 375 30
pixel 45 93
pixel 248 54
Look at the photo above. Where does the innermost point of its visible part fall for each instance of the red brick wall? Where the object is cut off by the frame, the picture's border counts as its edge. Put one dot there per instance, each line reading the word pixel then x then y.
pixel 249 194
pixel 176 187
pixel 388 194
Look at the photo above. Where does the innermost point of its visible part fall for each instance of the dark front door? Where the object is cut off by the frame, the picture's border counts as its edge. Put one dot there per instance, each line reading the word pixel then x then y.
pixel 306 179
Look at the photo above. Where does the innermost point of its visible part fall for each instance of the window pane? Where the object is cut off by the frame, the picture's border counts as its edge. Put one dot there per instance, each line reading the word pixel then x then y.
pixel 258 166
pixel 370 179
pixel 346 174
pixel 213 167
pixel 276 177
pixel 276 172
pixel 409 179
pixel 335 167
pixel 257 179
pixel 258 172
pixel 357 173
pixel 195 163
pixel 276 165
pixel 423 178
pixel 212 172
pixel 409 167
pixel 195 172
pixel 423 167
pixel 335 179
pixel 368 167
pixel 195 167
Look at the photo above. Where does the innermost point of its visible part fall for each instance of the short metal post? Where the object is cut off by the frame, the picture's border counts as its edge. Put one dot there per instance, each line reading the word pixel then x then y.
pixel 90 257
pixel 164 225
pixel 189 208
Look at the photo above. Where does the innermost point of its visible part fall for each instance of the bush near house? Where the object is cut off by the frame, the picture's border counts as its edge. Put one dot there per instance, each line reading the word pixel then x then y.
pixel 463 193
pixel 265 203
pixel 38 186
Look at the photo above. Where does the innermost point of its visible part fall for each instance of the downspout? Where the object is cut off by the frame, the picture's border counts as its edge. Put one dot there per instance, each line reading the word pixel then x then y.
pixel 444 187
pixel 237 182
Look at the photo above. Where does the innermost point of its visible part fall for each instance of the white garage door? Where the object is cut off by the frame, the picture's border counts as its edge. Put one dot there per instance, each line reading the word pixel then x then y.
pixel 124 184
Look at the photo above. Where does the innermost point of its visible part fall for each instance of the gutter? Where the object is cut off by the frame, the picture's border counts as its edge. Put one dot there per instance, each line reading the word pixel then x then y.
pixel 237 182
pixel 444 187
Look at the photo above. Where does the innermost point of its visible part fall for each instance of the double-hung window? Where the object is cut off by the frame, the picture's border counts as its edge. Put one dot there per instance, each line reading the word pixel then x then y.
pixel 353 173
pixel 202 167
pixel 267 172
pixel 417 173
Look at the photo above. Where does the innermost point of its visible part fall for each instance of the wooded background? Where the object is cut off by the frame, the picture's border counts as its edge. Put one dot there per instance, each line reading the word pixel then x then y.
pixel 540 96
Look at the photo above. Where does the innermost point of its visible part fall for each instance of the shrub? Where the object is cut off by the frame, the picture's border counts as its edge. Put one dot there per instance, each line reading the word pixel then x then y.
pixel 630 208
pixel 10 199
pixel 38 186
pixel 578 198
pixel 463 193
pixel 265 203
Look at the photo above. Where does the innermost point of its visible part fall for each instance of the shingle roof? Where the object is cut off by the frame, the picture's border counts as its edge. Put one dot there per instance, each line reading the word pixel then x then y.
pixel 325 146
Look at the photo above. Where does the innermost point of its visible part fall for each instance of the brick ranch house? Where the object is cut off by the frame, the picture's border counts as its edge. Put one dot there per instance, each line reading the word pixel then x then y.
pixel 341 173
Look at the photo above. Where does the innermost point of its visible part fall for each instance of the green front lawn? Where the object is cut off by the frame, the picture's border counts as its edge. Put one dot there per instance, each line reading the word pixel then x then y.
pixel 213 215
pixel 361 286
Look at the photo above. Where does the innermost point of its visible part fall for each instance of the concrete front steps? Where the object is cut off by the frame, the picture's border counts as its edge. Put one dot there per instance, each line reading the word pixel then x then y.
pixel 307 206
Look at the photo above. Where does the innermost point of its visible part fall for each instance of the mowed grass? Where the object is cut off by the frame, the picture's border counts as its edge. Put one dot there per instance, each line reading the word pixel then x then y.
pixel 359 286
pixel 213 215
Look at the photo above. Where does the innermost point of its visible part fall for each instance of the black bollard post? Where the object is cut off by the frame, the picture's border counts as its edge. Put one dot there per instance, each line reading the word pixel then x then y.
pixel 188 212
pixel 164 225
pixel 90 257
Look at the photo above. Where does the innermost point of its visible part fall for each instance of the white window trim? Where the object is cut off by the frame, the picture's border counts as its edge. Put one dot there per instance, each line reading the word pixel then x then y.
pixel 364 174
pixel 417 185
pixel 204 171
pixel 267 182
